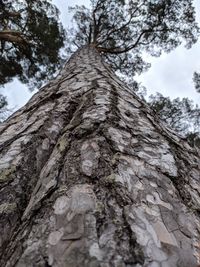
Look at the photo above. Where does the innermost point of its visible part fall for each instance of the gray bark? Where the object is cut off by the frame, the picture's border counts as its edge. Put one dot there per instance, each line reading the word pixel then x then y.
pixel 90 177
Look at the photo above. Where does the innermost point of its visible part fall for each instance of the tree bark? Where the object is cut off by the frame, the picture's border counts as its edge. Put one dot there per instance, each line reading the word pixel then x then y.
pixel 90 177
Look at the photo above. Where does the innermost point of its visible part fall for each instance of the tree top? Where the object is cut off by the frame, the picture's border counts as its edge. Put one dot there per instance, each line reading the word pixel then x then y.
pixel 122 30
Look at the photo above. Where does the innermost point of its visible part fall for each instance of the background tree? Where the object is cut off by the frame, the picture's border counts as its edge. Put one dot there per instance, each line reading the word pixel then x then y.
pixel 196 80
pixel 3 108
pixel 180 114
pixel 123 30
pixel 30 39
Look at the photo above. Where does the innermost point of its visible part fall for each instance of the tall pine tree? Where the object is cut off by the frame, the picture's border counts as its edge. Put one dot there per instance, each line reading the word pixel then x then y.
pixel 89 176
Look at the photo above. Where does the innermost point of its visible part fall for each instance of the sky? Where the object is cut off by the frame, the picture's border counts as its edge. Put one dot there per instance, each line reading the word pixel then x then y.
pixel 170 74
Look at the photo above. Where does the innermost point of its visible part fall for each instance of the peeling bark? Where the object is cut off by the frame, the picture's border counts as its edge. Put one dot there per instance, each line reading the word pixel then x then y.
pixel 90 177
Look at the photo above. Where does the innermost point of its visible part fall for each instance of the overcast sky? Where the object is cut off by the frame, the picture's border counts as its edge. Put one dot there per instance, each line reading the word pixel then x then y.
pixel 170 74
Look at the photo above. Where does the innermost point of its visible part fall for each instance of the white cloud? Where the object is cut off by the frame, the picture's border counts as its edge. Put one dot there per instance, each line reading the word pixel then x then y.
pixel 17 94
pixel 171 74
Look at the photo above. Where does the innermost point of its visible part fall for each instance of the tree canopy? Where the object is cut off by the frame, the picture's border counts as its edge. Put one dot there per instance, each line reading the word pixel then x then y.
pixel 31 35
pixel 123 30
pixel 30 39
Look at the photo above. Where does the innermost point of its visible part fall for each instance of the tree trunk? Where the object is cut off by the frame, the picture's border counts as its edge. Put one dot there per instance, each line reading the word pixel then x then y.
pixel 91 178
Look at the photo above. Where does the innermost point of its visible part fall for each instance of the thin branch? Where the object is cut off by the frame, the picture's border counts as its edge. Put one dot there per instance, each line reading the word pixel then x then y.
pixel 117 50
pixel 115 29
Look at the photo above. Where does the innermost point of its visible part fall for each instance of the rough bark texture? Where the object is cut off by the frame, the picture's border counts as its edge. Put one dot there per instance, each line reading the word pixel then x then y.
pixel 89 177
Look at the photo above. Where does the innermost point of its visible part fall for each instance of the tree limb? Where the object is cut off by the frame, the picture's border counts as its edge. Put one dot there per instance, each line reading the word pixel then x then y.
pixel 117 50
pixel 13 37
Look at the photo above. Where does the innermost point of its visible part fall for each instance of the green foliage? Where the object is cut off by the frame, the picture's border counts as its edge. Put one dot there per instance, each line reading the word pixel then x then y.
pixel 123 30
pixel 30 40
pixel 180 114
pixel 196 80
pixel 4 112
pixel 3 102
